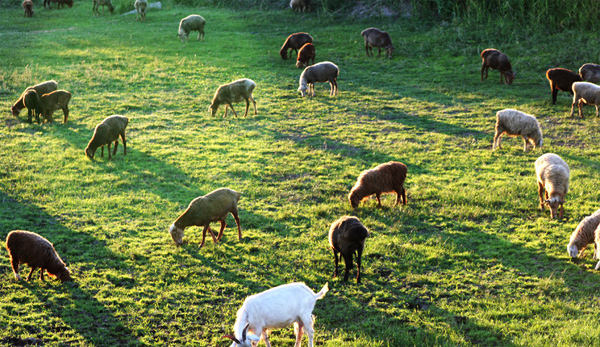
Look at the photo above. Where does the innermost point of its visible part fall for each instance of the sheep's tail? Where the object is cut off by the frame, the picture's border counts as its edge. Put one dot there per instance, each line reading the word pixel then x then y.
pixel 323 291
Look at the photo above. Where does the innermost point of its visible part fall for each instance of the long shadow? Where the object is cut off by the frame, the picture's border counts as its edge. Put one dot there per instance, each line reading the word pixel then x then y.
pixel 76 306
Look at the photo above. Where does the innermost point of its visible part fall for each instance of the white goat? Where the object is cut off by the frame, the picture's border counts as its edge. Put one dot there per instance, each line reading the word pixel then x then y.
pixel 277 307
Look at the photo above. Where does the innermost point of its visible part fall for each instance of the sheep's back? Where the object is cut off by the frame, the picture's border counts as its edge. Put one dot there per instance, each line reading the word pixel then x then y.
pixel 516 121
pixel 213 206
pixel 320 72
pixel 553 172
pixel 30 248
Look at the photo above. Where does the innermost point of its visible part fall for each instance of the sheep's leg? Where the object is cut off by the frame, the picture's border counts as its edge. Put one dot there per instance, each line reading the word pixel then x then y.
pixel 335 261
pixel 15 267
pixel 348 263
pixel 378 196
pixel 230 105
pixel 102 151
pixel 298 331
pixel 403 195
pixel 247 107
pixel 575 101
pixel 41 274
pixel 366 48
pixel 65 113
pixel 226 106
pixel 124 143
pixel 580 105
pixel 358 263
pixel 206 227
pixel 554 94
pixel 502 75
pixel 115 149
pixel 237 221
pixel 484 69
pixel 562 211
pixel 596 111
pixel 108 150
pixel 265 336
pixel 336 86
pixel 525 141
pixel 254 104
pixel 379 48
pixel 30 274
pixel 223 224
pixel 541 191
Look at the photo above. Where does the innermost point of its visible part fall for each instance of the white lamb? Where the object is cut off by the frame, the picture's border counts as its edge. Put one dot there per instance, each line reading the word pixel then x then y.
pixel 585 93
pixel 553 182
pixel 322 72
pixel 277 307
pixel 517 123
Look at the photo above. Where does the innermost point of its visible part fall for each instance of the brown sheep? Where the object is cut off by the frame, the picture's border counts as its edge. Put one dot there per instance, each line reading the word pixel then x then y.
pixel 28 8
pixel 347 236
pixel 294 42
pixel 31 100
pixel 56 100
pixel 41 89
pixel 377 38
pixel 493 58
pixel 26 247
pixel 306 53
pixel 385 178
pixel 105 133
pixel 561 79
pixel 235 91
pixel 212 207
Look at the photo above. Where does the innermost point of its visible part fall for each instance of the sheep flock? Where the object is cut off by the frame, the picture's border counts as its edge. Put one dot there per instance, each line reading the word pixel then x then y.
pixel 293 303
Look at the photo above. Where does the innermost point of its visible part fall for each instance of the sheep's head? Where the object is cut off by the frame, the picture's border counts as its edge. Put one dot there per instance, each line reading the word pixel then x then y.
pixel 245 341
pixel 299 64
pixel 176 234
pixel 213 109
pixel 572 250
pixel 283 54
pixel 389 50
pixel 510 77
pixel 302 89
pixel 554 204
pixel 539 143
pixel 181 34
pixel 89 152
pixel 63 274
pixel 14 110
pixel 354 199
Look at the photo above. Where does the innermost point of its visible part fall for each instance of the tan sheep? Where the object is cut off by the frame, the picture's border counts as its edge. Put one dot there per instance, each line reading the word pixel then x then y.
pixel 140 8
pixel 585 93
pixel 385 178
pixel 583 235
pixel 235 91
pixel 106 132
pixel 347 236
pixel 191 23
pixel 552 174
pixel 517 123
pixel 26 247
pixel 41 89
pixel 56 100
pixel 212 207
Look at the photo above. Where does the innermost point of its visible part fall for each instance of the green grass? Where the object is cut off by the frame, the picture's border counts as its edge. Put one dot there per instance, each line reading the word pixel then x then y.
pixel 469 261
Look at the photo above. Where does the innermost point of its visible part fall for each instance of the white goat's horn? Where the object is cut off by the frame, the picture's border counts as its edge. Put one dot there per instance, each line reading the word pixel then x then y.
pixel 245 331
pixel 232 338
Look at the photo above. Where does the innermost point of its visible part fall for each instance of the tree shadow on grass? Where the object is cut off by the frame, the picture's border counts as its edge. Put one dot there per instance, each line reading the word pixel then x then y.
pixel 74 305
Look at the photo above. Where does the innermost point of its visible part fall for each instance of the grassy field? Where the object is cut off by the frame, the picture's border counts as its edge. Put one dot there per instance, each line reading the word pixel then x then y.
pixel 470 261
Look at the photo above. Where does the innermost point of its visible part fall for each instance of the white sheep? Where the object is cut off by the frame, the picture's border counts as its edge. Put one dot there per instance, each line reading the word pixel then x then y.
pixel 322 72
pixel 277 307
pixel 212 207
pixel 585 93
pixel 235 91
pixel 583 235
pixel 590 72
pixel 517 123
pixel 140 7
pixel 191 23
pixel 300 5
pixel 597 247
pixel 552 174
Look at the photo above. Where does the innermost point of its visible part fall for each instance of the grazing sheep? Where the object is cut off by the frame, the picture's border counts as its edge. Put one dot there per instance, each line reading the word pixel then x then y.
pixel 347 236
pixel 60 3
pixel 28 8
pixel 377 38
pixel 385 178
pixel 306 53
pixel 276 308
pixel 597 247
pixel 493 58
pixel 585 93
pixel 590 72
pixel 105 133
pixel 103 3
pixel 212 207
pixel 26 247
pixel 561 79
pixel 552 174
pixel 322 72
pixel 294 42
pixel 140 7
pixel 31 100
pixel 41 89
pixel 300 5
pixel 583 235
pixel 516 123
pixel 191 23
pixel 235 91
pixel 56 100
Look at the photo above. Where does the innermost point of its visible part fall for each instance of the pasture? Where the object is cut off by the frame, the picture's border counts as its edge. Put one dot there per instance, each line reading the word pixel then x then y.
pixel 470 261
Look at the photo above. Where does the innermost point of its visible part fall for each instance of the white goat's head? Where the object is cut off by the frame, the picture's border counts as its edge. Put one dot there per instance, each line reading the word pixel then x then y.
pixel 245 340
